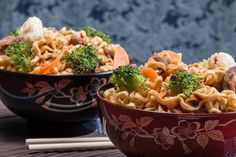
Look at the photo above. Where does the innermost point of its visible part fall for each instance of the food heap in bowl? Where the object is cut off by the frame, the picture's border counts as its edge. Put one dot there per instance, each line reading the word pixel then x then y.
pixel 175 109
pixel 55 73
pixel 166 84
pixel 36 49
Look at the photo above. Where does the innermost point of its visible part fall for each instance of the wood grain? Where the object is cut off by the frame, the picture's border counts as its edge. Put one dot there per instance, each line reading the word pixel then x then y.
pixel 14 130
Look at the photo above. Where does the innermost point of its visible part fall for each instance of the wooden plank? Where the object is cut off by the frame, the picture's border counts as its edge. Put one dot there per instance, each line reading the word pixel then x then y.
pixel 13 131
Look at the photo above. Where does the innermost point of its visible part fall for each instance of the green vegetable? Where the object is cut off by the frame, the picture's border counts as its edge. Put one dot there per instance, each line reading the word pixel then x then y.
pixel 92 32
pixel 83 60
pixel 20 54
pixel 15 32
pixel 184 82
pixel 128 77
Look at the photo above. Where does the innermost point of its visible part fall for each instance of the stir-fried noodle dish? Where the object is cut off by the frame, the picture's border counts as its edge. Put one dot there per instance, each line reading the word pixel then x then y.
pixel 33 48
pixel 166 84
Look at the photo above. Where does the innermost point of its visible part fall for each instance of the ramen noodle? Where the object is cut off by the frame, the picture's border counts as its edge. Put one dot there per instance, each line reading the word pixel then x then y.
pixel 214 94
pixel 50 46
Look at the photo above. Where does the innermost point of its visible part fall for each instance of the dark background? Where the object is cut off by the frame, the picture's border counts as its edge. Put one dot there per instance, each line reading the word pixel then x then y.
pixel 197 28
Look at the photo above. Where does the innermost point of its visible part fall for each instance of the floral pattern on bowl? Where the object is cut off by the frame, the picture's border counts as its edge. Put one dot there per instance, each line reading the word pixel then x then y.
pixel 78 98
pixel 141 133
pixel 166 137
pixel 52 98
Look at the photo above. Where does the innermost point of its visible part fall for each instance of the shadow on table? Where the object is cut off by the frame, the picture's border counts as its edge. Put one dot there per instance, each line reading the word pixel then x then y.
pixel 13 128
pixel 36 129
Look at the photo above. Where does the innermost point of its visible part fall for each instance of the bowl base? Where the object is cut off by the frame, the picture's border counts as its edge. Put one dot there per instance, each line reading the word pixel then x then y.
pixel 42 129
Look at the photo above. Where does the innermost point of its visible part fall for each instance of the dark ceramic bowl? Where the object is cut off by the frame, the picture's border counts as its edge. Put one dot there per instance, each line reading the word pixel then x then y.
pixel 51 98
pixel 142 133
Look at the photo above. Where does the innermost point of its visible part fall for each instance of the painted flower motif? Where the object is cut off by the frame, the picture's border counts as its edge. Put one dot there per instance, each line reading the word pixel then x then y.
pixel 78 94
pixel 186 130
pixel 163 137
pixel 29 89
pixel 94 84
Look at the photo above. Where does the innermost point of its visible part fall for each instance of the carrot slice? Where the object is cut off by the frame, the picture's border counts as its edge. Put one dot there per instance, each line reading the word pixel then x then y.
pixel 149 73
pixel 47 68
pixel 120 57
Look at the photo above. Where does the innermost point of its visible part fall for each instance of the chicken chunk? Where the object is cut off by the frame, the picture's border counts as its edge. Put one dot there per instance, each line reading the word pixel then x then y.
pixel 31 30
pixel 221 59
pixel 230 79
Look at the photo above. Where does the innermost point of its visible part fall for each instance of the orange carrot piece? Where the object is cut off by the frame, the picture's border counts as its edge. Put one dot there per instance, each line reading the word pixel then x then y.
pixel 120 57
pixel 149 73
pixel 47 68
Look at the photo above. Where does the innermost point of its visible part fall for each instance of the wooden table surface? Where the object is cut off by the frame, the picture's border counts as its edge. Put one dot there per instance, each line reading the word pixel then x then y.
pixel 14 130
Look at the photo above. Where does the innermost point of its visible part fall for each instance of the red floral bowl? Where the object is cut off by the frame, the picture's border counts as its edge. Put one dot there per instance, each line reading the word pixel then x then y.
pixel 142 133
pixel 51 98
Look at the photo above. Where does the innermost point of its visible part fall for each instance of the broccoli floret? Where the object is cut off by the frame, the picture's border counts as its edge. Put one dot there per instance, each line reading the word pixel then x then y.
pixel 22 64
pixel 19 48
pixel 184 82
pixel 15 32
pixel 83 60
pixel 20 54
pixel 92 32
pixel 127 77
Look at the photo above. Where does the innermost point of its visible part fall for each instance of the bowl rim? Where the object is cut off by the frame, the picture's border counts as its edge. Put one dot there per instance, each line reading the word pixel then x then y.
pixel 58 75
pixel 156 112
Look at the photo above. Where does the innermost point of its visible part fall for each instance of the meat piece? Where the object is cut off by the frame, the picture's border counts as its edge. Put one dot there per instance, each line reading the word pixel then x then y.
pixel 221 59
pixel 31 30
pixel 164 60
pixel 75 39
pixel 7 41
pixel 230 79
